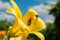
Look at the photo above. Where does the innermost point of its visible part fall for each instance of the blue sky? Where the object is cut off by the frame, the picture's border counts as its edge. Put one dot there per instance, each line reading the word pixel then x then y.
pixel 24 5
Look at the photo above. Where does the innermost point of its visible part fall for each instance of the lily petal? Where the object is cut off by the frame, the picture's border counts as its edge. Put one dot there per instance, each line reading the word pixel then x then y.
pixel 24 37
pixel 38 25
pixel 34 25
pixel 40 35
pixel 16 8
pixel 19 28
pixel 16 25
pixel 29 15
pixel 10 10
pixel 16 29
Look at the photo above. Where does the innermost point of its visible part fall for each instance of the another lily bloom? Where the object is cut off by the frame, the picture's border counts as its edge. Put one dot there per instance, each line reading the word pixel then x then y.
pixel 30 23
pixel 2 35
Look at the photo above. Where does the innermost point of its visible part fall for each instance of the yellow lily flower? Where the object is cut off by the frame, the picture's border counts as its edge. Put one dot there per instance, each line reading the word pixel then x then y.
pixel 30 23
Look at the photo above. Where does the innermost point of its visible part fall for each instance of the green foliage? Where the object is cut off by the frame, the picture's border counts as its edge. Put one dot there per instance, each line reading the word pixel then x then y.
pixel 4 25
pixel 33 37
pixel 56 12
pixel 49 32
